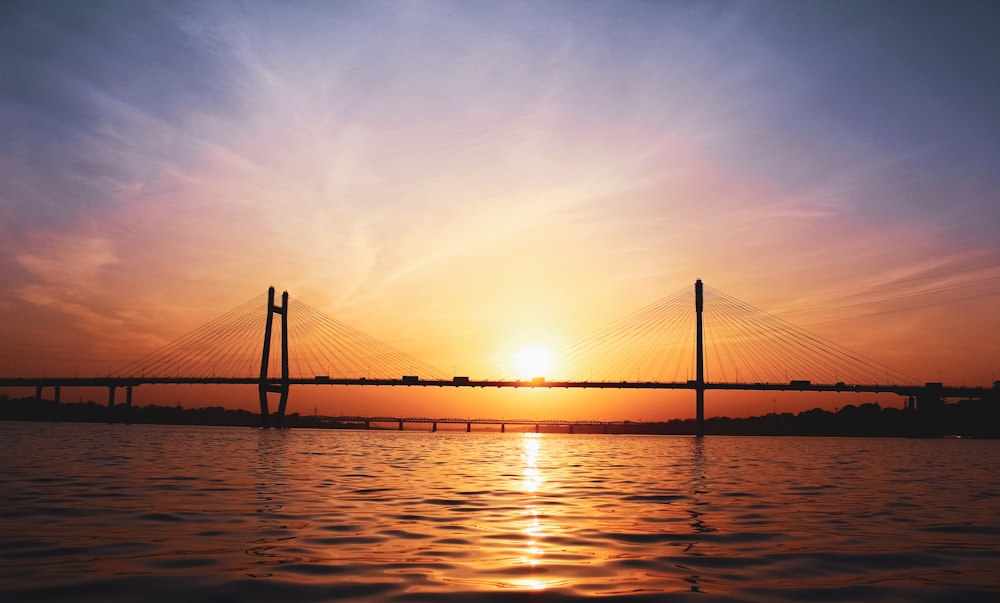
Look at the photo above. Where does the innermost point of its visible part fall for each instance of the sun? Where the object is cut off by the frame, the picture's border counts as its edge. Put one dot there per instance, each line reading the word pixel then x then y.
pixel 534 361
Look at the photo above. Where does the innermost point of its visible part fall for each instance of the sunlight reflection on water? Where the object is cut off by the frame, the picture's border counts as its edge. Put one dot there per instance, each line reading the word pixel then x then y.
pixel 534 530
pixel 102 512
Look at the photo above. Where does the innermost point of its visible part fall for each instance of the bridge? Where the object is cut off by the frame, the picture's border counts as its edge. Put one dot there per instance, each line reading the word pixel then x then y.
pixel 654 342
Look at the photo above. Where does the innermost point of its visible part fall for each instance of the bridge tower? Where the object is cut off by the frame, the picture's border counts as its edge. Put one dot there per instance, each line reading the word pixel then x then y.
pixel 699 385
pixel 266 385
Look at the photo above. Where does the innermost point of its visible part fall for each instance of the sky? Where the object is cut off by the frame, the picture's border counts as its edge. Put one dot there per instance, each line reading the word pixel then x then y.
pixel 466 180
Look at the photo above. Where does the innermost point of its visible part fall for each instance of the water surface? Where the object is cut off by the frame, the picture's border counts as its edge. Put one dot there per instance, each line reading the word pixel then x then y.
pixel 126 512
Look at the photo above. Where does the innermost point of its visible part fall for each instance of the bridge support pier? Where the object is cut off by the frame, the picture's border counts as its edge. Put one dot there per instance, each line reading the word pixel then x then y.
pixel 503 428
pixel 571 428
pixel 468 427
pixel 57 394
pixel 401 426
pixel 111 396
pixel 128 396
pixel 38 392
pixel 536 428
pixel 434 426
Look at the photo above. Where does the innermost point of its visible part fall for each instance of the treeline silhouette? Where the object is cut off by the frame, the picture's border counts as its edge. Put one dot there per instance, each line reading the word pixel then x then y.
pixel 967 418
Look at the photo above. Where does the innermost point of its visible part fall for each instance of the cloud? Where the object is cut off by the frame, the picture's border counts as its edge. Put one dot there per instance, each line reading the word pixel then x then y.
pixel 803 212
pixel 70 260
pixel 65 274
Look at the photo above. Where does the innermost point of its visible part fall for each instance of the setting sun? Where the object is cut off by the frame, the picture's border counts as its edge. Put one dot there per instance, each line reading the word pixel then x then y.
pixel 534 361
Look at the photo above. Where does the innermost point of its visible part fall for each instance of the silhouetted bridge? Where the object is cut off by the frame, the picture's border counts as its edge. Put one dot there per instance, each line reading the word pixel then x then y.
pixel 112 383
pixel 653 339
pixel 536 425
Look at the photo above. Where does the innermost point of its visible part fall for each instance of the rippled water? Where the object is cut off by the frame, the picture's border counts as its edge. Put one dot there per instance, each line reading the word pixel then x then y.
pixel 130 512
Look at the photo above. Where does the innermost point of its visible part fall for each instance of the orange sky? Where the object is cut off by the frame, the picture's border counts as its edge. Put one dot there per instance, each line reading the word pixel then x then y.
pixel 462 181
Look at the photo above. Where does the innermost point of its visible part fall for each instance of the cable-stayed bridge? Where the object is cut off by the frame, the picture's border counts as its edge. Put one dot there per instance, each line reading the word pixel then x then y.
pixel 698 339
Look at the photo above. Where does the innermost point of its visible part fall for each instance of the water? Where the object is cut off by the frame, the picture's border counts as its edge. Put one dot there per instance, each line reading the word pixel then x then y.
pixel 120 512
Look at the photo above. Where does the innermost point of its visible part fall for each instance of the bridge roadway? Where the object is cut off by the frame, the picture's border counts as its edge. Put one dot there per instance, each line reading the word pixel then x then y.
pixel 935 389
pixel 536 424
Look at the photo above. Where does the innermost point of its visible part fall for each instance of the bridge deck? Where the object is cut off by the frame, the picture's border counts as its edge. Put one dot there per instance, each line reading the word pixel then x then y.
pixel 902 390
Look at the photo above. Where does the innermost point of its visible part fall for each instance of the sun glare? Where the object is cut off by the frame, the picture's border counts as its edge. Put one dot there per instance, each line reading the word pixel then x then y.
pixel 532 362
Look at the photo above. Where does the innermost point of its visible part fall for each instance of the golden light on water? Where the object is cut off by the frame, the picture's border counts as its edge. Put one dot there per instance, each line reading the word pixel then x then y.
pixel 536 529
pixel 531 584
pixel 533 553
pixel 532 475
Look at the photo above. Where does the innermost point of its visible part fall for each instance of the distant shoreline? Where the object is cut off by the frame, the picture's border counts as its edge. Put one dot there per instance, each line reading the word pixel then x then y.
pixel 968 418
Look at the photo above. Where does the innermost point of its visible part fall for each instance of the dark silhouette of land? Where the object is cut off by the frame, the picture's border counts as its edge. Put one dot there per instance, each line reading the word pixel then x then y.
pixel 966 418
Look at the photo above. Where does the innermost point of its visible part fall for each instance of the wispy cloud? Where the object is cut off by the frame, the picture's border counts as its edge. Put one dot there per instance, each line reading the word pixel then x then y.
pixel 64 275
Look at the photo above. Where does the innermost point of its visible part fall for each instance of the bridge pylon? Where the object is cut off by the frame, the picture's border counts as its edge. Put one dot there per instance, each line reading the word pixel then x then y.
pixel 266 385
pixel 699 386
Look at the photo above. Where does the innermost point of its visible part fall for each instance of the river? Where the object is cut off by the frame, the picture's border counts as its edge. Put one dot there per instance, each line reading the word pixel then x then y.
pixel 145 512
